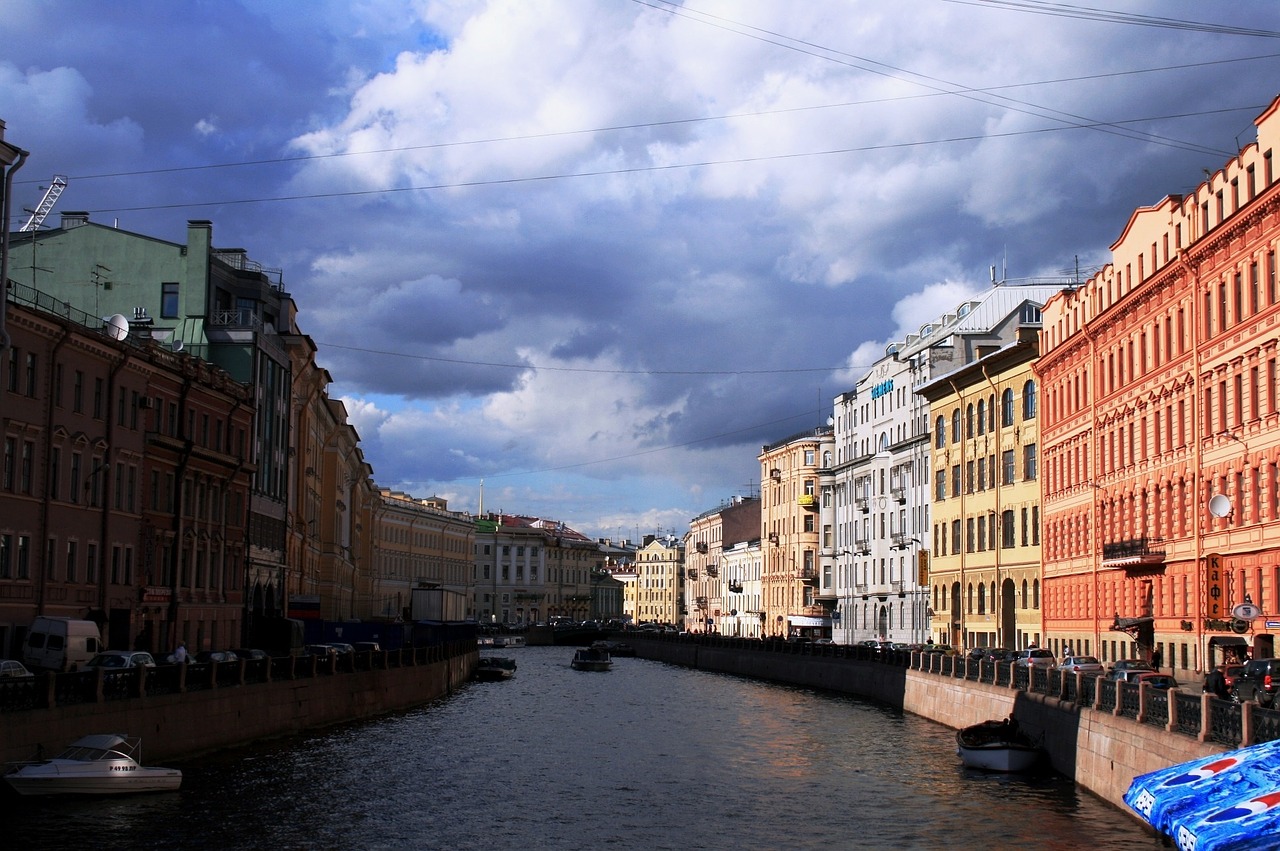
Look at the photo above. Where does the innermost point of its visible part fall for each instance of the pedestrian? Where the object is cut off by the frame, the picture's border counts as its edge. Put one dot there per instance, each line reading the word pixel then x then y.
pixel 1216 684
pixel 1157 658
pixel 180 655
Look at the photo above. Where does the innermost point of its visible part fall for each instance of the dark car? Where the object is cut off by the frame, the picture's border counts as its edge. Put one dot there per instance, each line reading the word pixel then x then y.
pixel 221 656
pixel 367 647
pixel 1120 670
pixel 1260 680
pixel 1154 680
pixel 251 654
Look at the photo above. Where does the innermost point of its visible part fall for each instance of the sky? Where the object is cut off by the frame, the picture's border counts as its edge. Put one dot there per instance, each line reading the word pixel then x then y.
pixel 581 259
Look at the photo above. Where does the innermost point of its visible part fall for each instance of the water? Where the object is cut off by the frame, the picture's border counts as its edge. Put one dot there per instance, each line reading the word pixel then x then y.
pixel 646 756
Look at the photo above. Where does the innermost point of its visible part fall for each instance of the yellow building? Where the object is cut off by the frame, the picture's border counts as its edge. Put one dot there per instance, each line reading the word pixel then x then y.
pixel 985 572
pixel 790 505
pixel 421 544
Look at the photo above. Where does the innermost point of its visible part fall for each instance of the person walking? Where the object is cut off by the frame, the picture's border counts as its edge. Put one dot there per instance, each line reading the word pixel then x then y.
pixel 180 655
pixel 1216 684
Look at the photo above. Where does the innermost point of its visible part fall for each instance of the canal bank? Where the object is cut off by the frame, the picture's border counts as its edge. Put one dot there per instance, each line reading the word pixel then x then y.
pixel 183 711
pixel 1101 750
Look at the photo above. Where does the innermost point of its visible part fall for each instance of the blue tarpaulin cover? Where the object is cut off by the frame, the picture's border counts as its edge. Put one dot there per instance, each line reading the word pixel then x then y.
pixel 1225 801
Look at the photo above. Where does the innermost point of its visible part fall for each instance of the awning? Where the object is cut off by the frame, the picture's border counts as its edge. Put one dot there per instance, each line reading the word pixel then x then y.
pixel 1228 641
pixel 1223 801
pixel 809 620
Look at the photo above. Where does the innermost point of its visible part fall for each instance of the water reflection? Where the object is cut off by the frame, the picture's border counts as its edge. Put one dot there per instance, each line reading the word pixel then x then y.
pixel 647 756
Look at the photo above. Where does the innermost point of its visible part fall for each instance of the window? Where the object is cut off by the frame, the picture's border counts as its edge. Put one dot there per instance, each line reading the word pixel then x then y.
pixel 169 300
pixel 1006 408
pixel 955 426
pixel 982 416
pixel 1006 529
pixel 1029 462
pixel 940 485
pixel 1006 467
pixel 940 433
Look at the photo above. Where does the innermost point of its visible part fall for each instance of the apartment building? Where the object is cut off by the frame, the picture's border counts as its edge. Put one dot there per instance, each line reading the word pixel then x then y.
pixel 1161 431
pixel 790 538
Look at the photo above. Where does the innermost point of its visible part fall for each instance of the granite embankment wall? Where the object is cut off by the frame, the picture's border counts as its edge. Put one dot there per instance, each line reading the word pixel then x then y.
pixel 187 723
pixel 1101 751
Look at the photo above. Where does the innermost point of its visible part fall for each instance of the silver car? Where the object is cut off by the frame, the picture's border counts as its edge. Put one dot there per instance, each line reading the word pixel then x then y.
pixel 1035 657
pixel 1081 665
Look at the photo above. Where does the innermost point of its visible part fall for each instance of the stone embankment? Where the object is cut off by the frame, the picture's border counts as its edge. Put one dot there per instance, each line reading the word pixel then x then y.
pixel 1100 733
pixel 180 711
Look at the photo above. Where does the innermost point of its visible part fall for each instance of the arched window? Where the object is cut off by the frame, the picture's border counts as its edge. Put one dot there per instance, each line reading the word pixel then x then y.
pixel 991 413
pixel 1035 590
pixel 968 607
pixel 982 416
pixel 955 426
pixel 968 421
pixel 1029 400
pixel 940 432
pixel 982 599
pixel 1006 408
pixel 1024 593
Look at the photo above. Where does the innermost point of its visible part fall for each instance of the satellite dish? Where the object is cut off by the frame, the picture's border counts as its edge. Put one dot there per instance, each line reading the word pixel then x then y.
pixel 176 345
pixel 117 326
pixel 1220 506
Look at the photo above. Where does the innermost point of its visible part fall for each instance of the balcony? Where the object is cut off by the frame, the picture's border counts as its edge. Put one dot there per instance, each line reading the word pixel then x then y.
pixel 862 547
pixel 693 573
pixel 735 587
pixel 899 493
pixel 701 546
pixel 700 602
pixel 807 500
pixel 712 570
pixel 1135 553
pixel 807 574
pixel 863 504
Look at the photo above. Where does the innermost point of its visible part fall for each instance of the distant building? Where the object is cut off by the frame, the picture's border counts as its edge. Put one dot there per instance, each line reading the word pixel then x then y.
pixel 659 581
pixel 790 504
pixel 706 588
pixel 529 570
pixel 421 544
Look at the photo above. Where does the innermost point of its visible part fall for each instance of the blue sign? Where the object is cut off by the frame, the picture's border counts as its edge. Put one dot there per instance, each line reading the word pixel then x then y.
pixel 882 389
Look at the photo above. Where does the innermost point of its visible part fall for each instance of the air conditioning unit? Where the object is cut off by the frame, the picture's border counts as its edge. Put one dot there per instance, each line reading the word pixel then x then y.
pixel 144 401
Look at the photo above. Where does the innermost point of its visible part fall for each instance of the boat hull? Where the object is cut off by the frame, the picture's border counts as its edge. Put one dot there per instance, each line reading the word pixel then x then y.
pixel 52 779
pixel 591 666
pixel 1007 758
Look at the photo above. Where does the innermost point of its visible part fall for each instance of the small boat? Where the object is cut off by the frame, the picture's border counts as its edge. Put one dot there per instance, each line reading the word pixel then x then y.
pixel 494 668
pixel 591 659
pixel 997 746
pixel 509 641
pixel 102 764
pixel 615 648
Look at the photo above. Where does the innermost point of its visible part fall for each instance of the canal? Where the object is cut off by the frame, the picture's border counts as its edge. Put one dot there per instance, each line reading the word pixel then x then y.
pixel 646 756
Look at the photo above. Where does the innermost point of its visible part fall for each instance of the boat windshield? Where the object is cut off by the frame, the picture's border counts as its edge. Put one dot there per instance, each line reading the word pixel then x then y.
pixel 84 754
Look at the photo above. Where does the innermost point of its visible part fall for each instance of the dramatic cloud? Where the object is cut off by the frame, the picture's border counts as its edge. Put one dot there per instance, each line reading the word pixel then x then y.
pixel 596 253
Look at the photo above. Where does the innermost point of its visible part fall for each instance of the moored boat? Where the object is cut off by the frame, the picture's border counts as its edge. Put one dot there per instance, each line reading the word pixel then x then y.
pixel 101 764
pixel 591 659
pixel 615 648
pixel 493 668
pixel 997 746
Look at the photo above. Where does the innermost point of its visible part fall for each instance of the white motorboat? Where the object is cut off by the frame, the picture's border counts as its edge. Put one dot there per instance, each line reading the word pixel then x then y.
pixel 591 659
pixel 102 764
pixel 997 746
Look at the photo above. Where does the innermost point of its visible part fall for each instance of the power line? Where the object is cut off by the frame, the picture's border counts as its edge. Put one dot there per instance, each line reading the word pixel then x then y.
pixel 1064 10
pixel 593 370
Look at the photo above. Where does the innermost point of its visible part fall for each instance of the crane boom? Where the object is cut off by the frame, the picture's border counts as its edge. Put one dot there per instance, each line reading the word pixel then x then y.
pixel 46 203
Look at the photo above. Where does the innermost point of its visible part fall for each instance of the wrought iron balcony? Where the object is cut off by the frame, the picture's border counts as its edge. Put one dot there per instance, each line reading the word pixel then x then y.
pixel 735 587
pixel 1133 552
pixel 807 500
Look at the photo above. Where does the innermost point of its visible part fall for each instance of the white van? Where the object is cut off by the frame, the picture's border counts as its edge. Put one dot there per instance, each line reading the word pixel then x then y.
pixel 61 644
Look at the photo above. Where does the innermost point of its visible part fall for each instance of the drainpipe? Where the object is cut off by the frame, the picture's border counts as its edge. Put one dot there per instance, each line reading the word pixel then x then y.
pixel 19 157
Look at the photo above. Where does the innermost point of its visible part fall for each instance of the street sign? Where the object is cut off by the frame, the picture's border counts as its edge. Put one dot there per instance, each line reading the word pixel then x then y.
pixel 1273 624
pixel 1246 611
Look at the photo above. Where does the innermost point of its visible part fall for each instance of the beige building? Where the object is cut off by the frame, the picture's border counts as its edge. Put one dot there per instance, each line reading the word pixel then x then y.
pixel 529 570
pixel 659 581
pixel 985 540
pixel 421 544
pixel 790 539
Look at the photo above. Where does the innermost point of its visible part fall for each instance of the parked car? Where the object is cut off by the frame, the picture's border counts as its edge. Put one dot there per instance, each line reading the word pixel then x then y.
pixel 340 648
pixel 119 659
pixel 1117 669
pixel 1164 681
pixel 1260 680
pixel 251 654
pixel 367 647
pixel 13 669
pixel 1080 665
pixel 324 651
pixel 1035 657
pixel 222 656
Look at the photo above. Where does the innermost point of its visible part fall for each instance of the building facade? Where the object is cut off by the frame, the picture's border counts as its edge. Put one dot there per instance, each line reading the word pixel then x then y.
pixel 985 536
pixel 1161 431
pixel 791 541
